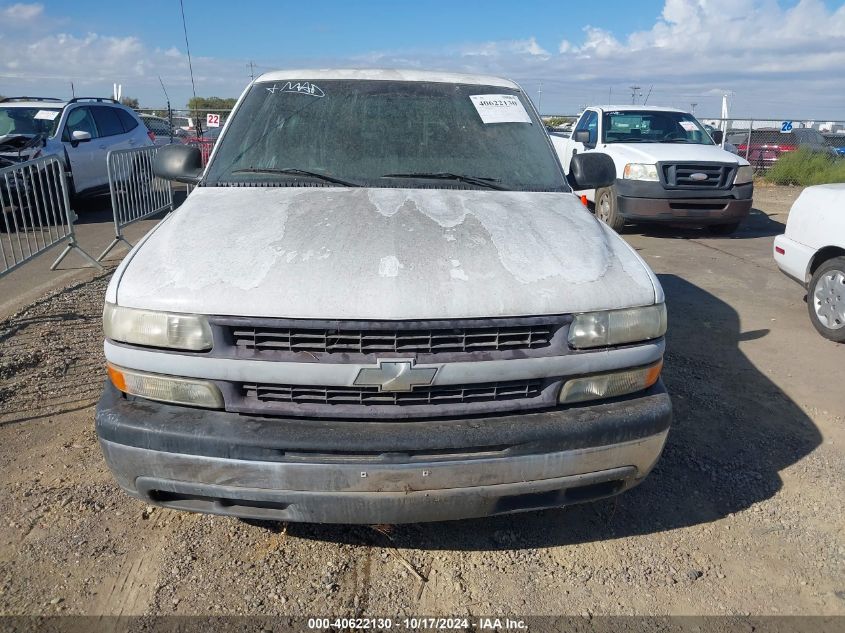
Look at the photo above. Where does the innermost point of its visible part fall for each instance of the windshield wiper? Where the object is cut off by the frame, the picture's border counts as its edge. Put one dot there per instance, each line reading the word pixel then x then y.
pixel 295 172
pixel 471 180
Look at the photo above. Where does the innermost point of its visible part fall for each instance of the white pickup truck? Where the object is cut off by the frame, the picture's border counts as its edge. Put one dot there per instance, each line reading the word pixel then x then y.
pixel 382 304
pixel 668 168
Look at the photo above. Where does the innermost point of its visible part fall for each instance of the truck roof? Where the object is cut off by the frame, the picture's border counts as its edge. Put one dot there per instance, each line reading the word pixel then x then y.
pixel 386 74
pixel 637 108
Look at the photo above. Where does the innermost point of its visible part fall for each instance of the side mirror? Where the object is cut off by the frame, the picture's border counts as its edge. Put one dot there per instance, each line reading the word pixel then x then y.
pixel 581 136
pixel 591 171
pixel 717 136
pixel 80 136
pixel 182 163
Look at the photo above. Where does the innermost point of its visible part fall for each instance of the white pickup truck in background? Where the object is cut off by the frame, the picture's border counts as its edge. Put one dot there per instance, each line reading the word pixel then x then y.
pixel 668 168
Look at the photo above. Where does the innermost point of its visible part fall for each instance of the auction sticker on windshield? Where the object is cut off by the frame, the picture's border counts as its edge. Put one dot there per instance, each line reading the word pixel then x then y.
pixel 500 109
pixel 689 126
pixel 47 115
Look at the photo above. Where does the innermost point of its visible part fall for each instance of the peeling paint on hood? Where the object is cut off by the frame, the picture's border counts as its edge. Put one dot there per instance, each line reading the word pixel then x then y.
pixel 357 253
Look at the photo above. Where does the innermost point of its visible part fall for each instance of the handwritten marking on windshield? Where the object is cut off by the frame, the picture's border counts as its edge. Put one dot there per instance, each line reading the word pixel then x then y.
pixel 298 87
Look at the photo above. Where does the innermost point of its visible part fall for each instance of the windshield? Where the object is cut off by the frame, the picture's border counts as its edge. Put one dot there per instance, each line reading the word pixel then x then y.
pixel 650 126
pixel 29 121
pixel 386 134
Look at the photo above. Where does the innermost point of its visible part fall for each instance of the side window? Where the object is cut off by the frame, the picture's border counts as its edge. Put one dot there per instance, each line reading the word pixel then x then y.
pixel 590 122
pixel 107 122
pixel 128 121
pixel 80 119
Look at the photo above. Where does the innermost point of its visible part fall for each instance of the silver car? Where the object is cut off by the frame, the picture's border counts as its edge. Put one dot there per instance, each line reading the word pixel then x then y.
pixel 81 131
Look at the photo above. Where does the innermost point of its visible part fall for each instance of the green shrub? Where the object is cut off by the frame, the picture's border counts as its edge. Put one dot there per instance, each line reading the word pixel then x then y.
pixel 555 121
pixel 804 167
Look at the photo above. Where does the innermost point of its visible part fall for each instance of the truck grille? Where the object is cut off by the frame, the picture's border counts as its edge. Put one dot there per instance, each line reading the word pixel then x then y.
pixel 368 403
pixel 679 175
pixel 278 339
pixel 371 396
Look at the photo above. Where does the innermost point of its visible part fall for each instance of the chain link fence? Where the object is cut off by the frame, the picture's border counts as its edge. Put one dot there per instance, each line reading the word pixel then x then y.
pixel 763 142
pixel 184 124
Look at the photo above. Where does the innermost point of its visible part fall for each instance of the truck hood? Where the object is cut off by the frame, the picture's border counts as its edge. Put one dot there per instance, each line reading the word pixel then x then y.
pixel 350 253
pixel 651 153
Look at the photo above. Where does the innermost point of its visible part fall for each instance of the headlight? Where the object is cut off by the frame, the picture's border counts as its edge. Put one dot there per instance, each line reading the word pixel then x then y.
pixel 744 175
pixel 615 327
pixel 640 171
pixel 611 385
pixel 156 329
pixel 196 393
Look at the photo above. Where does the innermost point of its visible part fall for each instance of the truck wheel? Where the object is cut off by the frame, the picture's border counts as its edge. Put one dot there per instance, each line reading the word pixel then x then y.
pixel 607 208
pixel 722 229
pixel 826 299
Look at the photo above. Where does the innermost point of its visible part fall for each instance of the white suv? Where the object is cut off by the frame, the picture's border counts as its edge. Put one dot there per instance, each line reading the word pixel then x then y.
pixel 81 132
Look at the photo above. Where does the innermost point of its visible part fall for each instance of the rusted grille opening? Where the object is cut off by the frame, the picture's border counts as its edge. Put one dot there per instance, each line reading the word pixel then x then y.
pixel 351 341
pixel 371 396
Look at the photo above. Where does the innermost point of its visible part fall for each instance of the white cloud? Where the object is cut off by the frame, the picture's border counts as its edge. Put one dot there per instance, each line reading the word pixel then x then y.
pixel 507 47
pixel 21 12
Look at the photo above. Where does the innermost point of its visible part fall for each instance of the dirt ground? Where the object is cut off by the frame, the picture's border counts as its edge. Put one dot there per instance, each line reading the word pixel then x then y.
pixel 743 514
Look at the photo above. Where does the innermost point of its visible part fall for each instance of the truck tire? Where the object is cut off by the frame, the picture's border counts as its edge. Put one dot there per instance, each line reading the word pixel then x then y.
pixel 607 208
pixel 722 229
pixel 826 299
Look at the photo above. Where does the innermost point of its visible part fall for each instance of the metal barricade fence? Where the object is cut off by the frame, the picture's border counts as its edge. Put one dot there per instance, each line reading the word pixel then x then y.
pixel 36 214
pixel 136 193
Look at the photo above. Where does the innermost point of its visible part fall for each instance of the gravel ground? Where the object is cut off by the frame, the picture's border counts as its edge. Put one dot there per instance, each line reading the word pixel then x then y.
pixel 743 514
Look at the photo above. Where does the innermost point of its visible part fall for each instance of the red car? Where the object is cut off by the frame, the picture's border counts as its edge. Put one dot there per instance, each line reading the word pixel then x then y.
pixel 767 145
pixel 205 142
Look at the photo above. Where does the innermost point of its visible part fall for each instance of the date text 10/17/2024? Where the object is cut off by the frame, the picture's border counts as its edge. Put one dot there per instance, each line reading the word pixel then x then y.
pixel 418 623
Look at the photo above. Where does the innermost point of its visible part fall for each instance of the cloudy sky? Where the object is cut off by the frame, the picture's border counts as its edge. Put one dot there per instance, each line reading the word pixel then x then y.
pixel 774 58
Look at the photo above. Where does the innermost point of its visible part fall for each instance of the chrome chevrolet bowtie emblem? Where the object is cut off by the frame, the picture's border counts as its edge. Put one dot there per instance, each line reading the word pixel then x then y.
pixel 395 375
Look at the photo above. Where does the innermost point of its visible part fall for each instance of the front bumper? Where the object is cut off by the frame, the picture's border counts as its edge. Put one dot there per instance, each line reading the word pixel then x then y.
pixel 651 202
pixel 379 472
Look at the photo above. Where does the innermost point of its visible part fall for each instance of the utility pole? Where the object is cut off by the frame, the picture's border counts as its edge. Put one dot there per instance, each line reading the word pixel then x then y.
pixel 251 65
pixel 634 90
pixel 692 108
pixel 540 98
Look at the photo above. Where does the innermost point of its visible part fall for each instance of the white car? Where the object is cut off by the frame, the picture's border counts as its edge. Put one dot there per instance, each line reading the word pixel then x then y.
pixel 381 304
pixel 668 168
pixel 81 132
pixel 812 251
